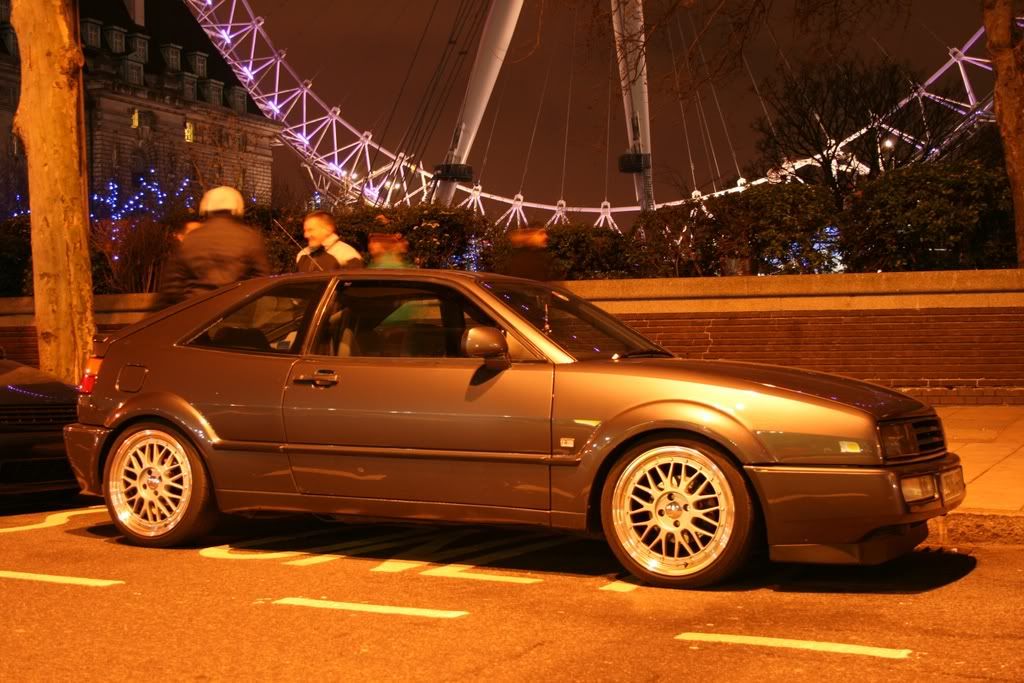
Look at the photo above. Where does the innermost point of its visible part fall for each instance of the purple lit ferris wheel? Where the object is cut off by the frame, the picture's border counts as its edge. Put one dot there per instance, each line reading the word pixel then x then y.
pixel 345 161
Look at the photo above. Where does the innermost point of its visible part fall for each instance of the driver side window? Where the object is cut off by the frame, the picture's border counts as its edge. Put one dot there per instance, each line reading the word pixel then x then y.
pixel 396 320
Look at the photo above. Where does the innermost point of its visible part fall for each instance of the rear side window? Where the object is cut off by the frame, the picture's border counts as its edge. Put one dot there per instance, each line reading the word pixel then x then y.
pixel 275 321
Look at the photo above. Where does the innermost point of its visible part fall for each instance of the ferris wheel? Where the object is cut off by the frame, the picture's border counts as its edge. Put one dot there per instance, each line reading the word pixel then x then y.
pixel 346 162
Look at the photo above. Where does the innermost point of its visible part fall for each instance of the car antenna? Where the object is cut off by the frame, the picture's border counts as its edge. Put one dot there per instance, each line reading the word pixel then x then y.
pixel 295 241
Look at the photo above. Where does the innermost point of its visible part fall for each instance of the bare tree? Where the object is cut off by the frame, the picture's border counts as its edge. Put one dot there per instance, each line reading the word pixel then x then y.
pixel 853 118
pixel 50 124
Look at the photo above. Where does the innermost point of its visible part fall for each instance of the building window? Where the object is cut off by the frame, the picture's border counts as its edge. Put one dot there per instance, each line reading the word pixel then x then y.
pixel 133 72
pixel 237 99
pixel 135 118
pixel 213 91
pixel 190 131
pixel 197 63
pixel 91 33
pixel 172 56
pixel 115 39
pixel 139 44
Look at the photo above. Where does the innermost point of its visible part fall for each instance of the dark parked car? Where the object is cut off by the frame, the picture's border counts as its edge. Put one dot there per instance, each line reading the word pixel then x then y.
pixel 34 408
pixel 485 399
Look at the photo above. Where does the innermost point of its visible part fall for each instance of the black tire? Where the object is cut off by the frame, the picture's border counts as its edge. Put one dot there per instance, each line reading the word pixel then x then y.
pixel 169 469
pixel 714 542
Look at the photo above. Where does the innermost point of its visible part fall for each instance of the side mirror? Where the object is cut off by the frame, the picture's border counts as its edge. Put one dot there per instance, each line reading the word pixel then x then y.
pixel 487 343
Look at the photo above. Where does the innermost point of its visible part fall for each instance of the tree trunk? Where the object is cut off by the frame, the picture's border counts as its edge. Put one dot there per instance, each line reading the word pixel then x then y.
pixel 50 123
pixel 1007 51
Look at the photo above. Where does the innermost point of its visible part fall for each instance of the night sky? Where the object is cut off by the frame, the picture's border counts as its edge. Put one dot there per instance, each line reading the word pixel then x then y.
pixel 357 53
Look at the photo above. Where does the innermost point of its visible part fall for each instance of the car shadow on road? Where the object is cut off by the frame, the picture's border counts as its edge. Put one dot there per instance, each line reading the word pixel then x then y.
pixel 32 503
pixel 513 550
pixel 920 571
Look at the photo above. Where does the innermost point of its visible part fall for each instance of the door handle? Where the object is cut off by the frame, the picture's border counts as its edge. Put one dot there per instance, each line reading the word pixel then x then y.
pixel 320 378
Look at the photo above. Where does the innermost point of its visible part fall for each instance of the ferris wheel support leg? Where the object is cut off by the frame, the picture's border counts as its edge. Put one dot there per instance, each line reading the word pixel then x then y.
pixel 630 52
pixel 490 55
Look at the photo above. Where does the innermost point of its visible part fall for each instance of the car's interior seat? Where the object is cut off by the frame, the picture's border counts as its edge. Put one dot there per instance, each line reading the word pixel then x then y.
pixel 240 338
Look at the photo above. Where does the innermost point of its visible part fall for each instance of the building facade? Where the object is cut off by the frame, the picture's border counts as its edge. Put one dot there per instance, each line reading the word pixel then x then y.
pixel 163 110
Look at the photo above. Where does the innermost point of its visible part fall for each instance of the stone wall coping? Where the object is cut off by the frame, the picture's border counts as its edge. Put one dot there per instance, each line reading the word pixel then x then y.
pixel 838 284
pixel 778 287
pixel 104 303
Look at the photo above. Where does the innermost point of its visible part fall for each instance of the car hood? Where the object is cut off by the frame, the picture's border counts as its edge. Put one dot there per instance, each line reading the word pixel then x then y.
pixel 877 401
pixel 23 385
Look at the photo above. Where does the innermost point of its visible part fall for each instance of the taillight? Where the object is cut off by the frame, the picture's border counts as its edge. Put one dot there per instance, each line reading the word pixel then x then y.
pixel 92 371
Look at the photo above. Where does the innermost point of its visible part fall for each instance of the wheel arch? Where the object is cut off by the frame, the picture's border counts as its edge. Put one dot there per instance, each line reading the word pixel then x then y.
pixel 163 408
pixel 616 454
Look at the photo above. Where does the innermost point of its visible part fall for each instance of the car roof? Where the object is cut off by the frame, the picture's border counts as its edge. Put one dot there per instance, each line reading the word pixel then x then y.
pixel 424 274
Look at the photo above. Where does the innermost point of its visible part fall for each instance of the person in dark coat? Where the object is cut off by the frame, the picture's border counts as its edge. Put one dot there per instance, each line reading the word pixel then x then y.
pixel 221 251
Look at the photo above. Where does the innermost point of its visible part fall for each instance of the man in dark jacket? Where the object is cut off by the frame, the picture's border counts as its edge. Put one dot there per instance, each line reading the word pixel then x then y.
pixel 221 251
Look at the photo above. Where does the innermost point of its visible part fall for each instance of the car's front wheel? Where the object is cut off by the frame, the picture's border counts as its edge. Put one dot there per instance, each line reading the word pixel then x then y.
pixel 156 487
pixel 678 513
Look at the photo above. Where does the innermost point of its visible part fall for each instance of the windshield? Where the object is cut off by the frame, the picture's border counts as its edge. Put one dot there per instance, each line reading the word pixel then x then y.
pixel 580 328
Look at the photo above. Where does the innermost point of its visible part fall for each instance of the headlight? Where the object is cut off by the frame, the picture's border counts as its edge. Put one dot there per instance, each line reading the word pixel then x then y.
pixel 916 489
pixel 898 439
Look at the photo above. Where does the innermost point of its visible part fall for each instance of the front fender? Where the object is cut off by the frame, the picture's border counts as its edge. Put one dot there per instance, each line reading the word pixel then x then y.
pixel 573 478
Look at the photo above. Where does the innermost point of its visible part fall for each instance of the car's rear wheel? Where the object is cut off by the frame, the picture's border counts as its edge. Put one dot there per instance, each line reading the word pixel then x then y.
pixel 156 487
pixel 678 513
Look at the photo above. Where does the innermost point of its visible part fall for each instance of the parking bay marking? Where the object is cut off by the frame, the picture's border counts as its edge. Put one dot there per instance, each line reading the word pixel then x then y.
pixel 375 609
pixel 462 570
pixel 328 553
pixel 228 550
pixel 52 578
pixel 55 519
pixel 818 646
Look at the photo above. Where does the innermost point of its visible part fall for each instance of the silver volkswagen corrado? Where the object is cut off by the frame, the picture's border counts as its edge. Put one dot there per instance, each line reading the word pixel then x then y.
pixel 475 398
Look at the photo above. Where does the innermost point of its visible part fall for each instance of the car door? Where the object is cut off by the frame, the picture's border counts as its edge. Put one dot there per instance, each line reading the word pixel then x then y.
pixel 386 406
pixel 233 373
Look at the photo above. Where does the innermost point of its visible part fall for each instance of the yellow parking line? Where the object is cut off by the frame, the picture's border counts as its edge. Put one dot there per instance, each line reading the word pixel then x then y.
pixel 374 609
pixel 623 586
pixel 818 646
pixel 228 551
pixel 401 563
pixel 329 553
pixel 462 570
pixel 51 578
pixel 56 519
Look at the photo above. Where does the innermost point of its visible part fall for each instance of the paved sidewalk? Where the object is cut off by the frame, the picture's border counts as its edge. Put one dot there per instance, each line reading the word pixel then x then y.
pixel 990 442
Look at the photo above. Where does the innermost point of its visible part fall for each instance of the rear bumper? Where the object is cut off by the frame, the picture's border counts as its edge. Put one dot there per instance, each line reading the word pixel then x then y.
pixel 34 462
pixel 847 515
pixel 84 444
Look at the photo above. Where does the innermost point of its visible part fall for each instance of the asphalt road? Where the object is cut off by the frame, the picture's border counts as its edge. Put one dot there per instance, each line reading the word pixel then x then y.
pixel 299 598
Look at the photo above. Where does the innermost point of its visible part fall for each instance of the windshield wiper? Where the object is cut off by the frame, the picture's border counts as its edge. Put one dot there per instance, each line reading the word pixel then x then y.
pixel 643 353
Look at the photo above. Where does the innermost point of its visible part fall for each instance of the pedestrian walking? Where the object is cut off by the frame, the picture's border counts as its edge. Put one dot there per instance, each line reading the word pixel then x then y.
pixel 388 250
pixel 221 251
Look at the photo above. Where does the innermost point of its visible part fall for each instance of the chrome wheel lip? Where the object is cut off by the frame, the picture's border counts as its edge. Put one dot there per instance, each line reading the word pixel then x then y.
pixel 707 540
pixel 149 483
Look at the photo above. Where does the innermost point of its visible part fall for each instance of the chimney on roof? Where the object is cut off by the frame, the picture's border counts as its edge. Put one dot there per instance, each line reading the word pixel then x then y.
pixel 137 11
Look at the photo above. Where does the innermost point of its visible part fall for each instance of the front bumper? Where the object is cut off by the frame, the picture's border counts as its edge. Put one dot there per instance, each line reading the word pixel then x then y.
pixel 84 444
pixel 848 515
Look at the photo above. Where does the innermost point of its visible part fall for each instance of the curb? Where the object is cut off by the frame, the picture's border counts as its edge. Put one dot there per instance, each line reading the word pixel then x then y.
pixel 977 527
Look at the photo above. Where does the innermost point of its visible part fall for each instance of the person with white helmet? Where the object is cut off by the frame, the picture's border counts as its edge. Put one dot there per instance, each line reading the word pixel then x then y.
pixel 222 251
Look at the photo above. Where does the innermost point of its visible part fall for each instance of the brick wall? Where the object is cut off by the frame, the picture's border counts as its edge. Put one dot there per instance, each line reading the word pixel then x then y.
pixel 972 355
pixel 949 338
